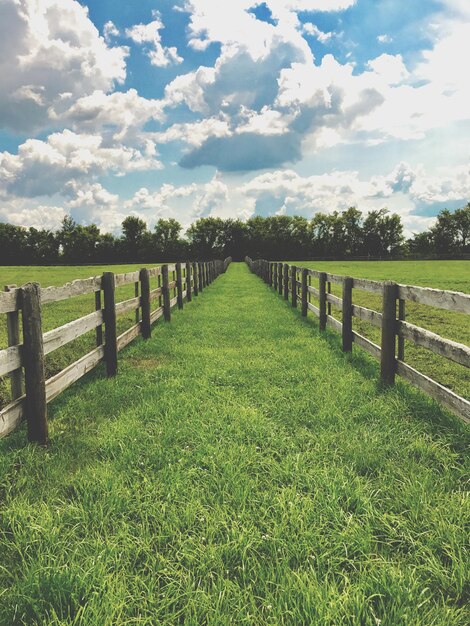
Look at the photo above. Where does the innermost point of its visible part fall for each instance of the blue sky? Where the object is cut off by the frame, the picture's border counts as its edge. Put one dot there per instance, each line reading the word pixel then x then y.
pixel 197 108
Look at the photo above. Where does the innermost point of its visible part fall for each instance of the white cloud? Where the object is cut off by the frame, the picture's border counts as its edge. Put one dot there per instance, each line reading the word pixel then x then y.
pixel 311 29
pixel 48 47
pixel 159 55
pixel 384 38
pixel 110 30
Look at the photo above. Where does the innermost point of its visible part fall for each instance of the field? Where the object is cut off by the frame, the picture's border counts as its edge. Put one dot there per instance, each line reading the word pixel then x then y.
pixel 239 470
pixel 452 275
pixel 59 313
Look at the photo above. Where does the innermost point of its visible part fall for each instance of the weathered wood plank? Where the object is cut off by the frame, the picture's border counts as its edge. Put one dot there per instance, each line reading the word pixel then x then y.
pixel 127 336
pixel 127 305
pixel 155 315
pixel 14 340
pixel 61 381
pixel 449 300
pixel 334 323
pixel 338 302
pixel 62 335
pixel 458 405
pixel 11 416
pixel 313 308
pixel 10 301
pixel 368 315
pixel 10 359
pixel 155 271
pixel 314 273
pixel 457 352
pixel 79 287
pixel 155 293
pixel 314 290
pixel 172 268
pixel 367 345
pixel 374 286
pixel 126 278
pixel 334 278
pixel 174 301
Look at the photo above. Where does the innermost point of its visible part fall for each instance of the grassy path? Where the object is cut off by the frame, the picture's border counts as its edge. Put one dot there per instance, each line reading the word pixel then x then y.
pixel 239 470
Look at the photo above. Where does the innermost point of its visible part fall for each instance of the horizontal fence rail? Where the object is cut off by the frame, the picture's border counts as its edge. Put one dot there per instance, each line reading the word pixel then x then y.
pixel 295 283
pixel 23 360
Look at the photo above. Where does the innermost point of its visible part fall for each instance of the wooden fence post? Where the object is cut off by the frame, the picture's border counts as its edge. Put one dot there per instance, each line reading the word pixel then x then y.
pixel 166 293
pixel 279 277
pixel 275 276
pixel 347 314
pixel 145 328
pixel 304 291
pixel 179 285
pixel 108 285
pixel 99 329
pixel 389 323
pixel 294 285
pixel 13 334
pixel 328 284
pixel 195 278
pixel 286 281
pixel 33 361
pixel 189 287
pixel 401 340
pixel 322 299
pixel 201 277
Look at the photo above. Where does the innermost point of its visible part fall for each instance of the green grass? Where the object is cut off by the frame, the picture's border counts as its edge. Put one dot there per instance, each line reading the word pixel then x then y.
pixel 452 275
pixel 239 470
pixel 57 313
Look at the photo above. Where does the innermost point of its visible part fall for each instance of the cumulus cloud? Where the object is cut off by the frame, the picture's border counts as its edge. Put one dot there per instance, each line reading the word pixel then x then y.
pixel 149 36
pixel 49 48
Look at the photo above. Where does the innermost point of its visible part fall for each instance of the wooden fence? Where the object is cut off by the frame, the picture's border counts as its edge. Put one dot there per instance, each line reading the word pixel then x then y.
pixel 293 282
pixel 25 361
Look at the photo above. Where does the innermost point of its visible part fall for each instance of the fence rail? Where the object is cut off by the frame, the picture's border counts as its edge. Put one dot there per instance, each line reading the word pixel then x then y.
pixel 24 360
pixel 294 282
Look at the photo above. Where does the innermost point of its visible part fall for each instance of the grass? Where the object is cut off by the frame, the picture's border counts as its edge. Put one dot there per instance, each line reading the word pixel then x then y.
pixel 239 470
pixel 452 275
pixel 57 313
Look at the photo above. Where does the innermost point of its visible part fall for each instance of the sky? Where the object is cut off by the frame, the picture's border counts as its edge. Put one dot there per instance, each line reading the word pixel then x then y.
pixel 232 108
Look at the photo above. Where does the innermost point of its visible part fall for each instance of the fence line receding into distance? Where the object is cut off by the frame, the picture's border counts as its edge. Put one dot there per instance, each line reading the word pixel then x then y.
pixel 24 360
pixel 292 281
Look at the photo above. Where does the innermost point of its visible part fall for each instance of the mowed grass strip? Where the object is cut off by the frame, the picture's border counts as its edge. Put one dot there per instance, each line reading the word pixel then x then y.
pixel 239 470
pixel 450 275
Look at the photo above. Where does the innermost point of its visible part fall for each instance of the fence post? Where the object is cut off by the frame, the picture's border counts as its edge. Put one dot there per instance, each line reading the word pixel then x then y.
pixel 286 281
pixel 201 277
pixel 304 291
pixel 195 278
pixel 13 333
pixel 294 285
pixel 189 288
pixel 401 340
pixel 275 276
pixel 33 360
pixel 99 329
pixel 389 315
pixel 347 314
pixel 145 327
pixel 166 294
pixel 108 285
pixel 322 299
pixel 279 278
pixel 179 285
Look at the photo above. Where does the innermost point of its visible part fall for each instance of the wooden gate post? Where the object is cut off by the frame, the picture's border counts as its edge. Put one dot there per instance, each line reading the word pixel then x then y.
pixel 33 360
pixel 304 291
pixel 166 293
pixel 286 281
pixel 389 323
pixel 13 334
pixel 322 299
pixel 189 287
pixel 179 285
pixel 294 285
pixel 108 285
pixel 145 328
pixel 347 314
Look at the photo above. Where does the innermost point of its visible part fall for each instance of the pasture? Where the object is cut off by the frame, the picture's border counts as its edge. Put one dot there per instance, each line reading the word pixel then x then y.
pixel 240 470
pixel 451 275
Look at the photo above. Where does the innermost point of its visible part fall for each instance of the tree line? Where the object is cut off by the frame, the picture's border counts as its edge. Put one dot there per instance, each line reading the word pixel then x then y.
pixel 346 234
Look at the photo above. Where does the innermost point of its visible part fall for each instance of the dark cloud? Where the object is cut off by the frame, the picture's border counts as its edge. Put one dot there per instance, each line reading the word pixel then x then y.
pixel 245 152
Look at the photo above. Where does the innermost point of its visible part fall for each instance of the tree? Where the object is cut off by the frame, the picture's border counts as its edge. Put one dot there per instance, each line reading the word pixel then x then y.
pixel 134 233
pixel 167 239
pixel 206 237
